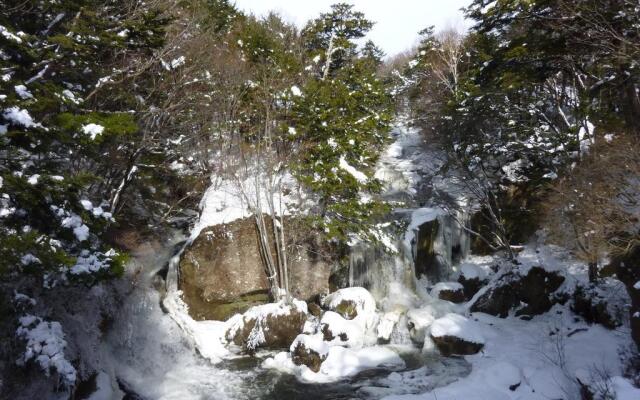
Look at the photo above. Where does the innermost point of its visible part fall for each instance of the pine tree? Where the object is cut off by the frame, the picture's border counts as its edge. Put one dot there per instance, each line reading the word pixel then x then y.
pixel 58 135
pixel 342 121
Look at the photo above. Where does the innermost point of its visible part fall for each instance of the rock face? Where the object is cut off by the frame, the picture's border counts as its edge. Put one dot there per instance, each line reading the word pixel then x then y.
pixel 221 273
pixel 535 289
pixel 269 326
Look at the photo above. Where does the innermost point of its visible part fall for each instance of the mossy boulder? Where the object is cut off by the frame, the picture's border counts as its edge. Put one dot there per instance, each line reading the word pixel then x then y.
pixel 221 272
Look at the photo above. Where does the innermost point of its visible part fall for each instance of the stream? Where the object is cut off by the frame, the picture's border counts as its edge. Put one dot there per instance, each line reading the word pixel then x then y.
pixel 154 358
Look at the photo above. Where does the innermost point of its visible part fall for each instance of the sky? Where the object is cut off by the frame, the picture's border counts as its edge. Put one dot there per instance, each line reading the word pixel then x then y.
pixel 397 21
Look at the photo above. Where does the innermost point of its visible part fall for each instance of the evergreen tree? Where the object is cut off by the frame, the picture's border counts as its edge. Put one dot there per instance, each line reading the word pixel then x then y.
pixel 59 135
pixel 342 121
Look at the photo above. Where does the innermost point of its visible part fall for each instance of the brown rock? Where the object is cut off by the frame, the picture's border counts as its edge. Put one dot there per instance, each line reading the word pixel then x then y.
pixel 303 356
pixel 452 345
pixel 267 331
pixel 221 272
pixel 454 296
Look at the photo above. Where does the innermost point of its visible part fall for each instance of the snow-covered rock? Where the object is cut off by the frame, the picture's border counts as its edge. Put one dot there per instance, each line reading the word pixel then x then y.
pixel 272 326
pixel 449 291
pixel 340 363
pixel 455 334
pixel 354 303
pixel 340 331
pixel 309 350
pixel 420 319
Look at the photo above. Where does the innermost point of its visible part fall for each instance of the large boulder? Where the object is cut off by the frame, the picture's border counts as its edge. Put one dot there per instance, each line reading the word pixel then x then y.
pixel 221 272
pixel 454 334
pixel 531 293
pixel 269 326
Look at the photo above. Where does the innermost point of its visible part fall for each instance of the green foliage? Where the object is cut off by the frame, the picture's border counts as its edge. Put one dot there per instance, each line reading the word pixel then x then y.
pixel 57 57
pixel 342 124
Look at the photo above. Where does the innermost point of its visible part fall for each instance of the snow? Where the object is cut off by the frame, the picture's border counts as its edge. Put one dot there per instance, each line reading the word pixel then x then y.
pixel 296 91
pixel 45 345
pixel 637 285
pixel 29 259
pixel 23 92
pixel 364 302
pixel 21 298
pixel 33 179
pixel 420 319
pixel 340 363
pixel 387 323
pixel 104 391
pixel 311 342
pixel 93 130
pixel 457 326
pixel 18 116
pixel 8 35
pixel 419 217
pixel 74 222
pixel 476 267
pixel 624 389
pixel 228 200
pixel 259 314
pixel 86 204
pixel 173 64
pixel 207 336
pixel 445 286
pixel 359 176
pixel 340 327
pixel 88 262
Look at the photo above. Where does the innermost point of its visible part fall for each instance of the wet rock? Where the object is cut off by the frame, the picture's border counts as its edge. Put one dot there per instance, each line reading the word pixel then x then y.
pixel 535 289
pixel 221 272
pixel 270 326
